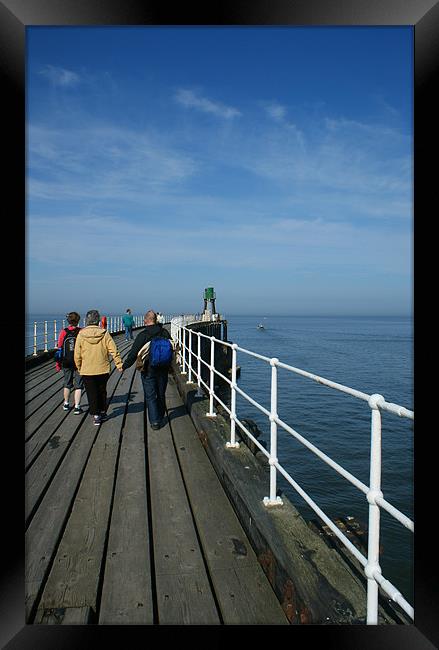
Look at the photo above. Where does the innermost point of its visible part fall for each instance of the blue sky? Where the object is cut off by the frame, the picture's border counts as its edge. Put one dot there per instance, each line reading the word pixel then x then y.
pixel 273 163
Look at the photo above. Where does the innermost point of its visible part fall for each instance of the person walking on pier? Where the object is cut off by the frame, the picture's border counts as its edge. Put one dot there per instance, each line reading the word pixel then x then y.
pixel 65 362
pixel 154 378
pixel 92 350
pixel 128 321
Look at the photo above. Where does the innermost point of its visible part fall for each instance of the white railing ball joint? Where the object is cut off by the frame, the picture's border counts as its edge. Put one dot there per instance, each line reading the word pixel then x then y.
pixel 371 570
pixel 376 400
pixel 372 496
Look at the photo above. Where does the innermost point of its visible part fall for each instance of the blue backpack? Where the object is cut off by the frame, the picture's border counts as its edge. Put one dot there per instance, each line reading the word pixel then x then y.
pixel 160 352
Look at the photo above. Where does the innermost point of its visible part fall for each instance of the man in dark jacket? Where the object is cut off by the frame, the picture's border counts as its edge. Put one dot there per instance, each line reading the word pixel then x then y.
pixel 154 379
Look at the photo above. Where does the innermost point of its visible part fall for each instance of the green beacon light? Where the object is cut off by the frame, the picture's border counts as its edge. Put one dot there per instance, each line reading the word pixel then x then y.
pixel 209 296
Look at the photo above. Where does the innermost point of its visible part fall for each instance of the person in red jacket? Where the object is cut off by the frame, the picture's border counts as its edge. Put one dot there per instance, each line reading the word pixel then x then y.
pixel 72 378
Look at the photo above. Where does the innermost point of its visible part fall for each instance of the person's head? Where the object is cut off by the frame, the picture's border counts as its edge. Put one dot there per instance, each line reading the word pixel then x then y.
pixel 92 317
pixel 150 318
pixel 128 311
pixel 73 318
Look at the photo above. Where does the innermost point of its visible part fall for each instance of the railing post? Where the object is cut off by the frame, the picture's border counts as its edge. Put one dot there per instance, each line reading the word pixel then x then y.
pixel 189 379
pixel 273 500
pixel 179 345
pixel 183 350
pixel 233 444
pixel 212 413
pixel 372 567
pixel 54 334
pixel 45 336
pixel 199 392
pixel 35 339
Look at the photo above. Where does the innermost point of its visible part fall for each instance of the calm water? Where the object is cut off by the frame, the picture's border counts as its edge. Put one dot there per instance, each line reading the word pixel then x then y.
pixel 373 355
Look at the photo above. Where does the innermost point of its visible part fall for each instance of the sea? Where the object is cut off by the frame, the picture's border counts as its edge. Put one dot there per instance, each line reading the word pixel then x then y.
pixel 370 354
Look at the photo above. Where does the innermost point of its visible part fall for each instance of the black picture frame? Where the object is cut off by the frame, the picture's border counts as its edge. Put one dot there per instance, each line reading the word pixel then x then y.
pixel 15 16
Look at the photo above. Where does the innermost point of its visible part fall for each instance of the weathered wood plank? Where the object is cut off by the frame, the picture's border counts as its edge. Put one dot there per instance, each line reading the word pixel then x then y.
pixel 35 375
pixel 54 392
pixel 42 414
pixel 38 370
pixel 127 589
pixel 41 472
pixel 51 442
pixel 242 589
pixel 75 574
pixel 65 616
pixel 183 592
pixel 43 534
pixel 54 425
pixel 55 379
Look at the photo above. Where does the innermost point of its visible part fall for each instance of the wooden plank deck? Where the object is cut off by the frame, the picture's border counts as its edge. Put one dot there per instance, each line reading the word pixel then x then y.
pixel 126 525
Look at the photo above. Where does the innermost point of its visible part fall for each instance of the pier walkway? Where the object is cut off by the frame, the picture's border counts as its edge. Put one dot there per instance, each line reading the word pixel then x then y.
pixel 126 525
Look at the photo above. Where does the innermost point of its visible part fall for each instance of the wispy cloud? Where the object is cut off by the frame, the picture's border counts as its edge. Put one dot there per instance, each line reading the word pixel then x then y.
pixel 102 163
pixel 276 111
pixel 190 99
pixel 60 76
pixel 275 243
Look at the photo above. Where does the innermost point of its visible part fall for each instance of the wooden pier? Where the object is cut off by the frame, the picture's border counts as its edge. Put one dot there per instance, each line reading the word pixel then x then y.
pixel 126 525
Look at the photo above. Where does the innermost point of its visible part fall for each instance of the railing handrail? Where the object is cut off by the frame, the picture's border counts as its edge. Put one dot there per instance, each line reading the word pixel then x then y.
pixel 373 493
pixel 48 340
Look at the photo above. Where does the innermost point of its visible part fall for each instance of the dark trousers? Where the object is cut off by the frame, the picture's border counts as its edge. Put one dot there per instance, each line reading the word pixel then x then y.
pixel 96 389
pixel 154 383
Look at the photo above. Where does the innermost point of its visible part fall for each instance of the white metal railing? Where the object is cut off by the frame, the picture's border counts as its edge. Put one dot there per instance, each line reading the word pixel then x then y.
pixel 188 352
pixel 42 336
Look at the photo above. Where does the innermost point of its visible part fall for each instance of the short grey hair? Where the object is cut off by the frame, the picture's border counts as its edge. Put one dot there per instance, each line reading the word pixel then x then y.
pixel 151 316
pixel 92 317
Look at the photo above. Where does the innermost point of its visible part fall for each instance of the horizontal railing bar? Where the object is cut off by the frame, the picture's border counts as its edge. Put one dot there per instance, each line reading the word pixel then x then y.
pixel 375 401
pixel 325 382
pixel 401 517
pixel 252 401
pixel 387 586
pixel 388 406
pixel 347 475
pixel 394 594
pixel 397 410
pixel 322 515
pixel 255 440
pixel 253 354
pixel 226 408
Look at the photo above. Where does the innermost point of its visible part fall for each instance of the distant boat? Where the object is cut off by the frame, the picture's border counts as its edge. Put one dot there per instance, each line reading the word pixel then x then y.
pixel 261 327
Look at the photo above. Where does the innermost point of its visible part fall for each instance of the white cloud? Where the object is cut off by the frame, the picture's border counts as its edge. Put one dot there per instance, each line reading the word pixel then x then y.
pixel 102 163
pixel 276 111
pixel 60 76
pixel 274 243
pixel 190 99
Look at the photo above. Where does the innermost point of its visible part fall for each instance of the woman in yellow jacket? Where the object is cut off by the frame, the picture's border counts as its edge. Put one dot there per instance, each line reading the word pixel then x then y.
pixel 92 349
